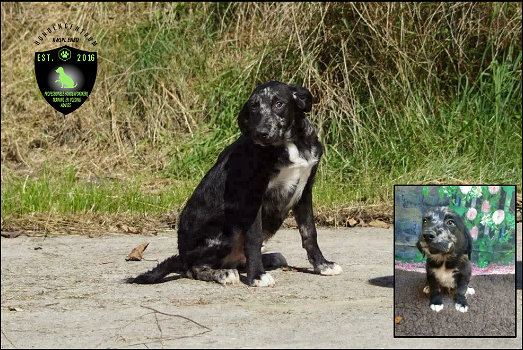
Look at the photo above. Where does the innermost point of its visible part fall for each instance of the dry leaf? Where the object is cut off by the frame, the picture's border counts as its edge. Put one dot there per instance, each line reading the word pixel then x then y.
pixel 352 222
pixel 378 223
pixel 12 308
pixel 136 253
pixel 129 229
pixel 397 319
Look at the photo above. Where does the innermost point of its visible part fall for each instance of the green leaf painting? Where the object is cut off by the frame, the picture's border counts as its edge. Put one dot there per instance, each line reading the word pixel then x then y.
pixel 487 211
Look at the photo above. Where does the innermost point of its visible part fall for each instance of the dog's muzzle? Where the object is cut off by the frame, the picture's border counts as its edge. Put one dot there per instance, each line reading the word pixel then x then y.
pixel 267 137
pixel 436 243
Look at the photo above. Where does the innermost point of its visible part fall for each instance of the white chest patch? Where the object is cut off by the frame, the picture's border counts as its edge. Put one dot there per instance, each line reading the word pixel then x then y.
pixel 445 277
pixel 293 177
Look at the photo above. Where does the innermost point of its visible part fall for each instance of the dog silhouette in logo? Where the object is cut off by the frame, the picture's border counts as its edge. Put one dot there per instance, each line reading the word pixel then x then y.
pixel 64 79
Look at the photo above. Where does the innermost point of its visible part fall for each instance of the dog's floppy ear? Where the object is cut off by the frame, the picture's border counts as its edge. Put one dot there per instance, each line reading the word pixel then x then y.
pixel 302 97
pixel 243 119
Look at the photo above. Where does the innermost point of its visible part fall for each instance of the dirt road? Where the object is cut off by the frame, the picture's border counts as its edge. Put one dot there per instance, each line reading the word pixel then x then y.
pixel 67 292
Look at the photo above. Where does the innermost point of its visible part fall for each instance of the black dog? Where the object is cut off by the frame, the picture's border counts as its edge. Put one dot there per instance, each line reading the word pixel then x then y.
pixel 244 198
pixel 448 245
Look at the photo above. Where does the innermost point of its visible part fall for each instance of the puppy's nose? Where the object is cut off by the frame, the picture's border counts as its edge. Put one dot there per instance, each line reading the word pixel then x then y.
pixel 429 236
pixel 261 134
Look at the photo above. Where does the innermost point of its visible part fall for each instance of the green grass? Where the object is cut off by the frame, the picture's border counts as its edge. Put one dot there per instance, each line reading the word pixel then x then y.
pixel 417 99
pixel 65 193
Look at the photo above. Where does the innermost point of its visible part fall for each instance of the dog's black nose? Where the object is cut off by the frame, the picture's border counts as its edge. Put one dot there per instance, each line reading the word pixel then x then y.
pixel 262 134
pixel 429 236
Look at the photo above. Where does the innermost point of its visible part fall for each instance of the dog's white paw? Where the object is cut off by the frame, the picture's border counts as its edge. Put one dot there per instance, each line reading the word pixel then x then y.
pixel 331 270
pixel 470 291
pixel 462 308
pixel 231 276
pixel 436 307
pixel 265 280
pixel 426 290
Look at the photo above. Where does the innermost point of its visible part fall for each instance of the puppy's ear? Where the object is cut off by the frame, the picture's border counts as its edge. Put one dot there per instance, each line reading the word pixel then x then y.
pixel 302 97
pixel 244 119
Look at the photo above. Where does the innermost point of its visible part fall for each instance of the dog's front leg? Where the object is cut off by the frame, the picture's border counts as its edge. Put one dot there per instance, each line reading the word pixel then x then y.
pixel 256 275
pixel 309 237
pixel 462 282
pixel 436 299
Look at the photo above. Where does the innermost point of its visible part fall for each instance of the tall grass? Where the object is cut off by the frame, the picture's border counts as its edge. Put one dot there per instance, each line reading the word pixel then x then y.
pixel 404 93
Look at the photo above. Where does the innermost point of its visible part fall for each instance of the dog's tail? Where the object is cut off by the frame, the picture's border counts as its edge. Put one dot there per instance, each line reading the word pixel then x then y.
pixel 172 264
pixel 75 85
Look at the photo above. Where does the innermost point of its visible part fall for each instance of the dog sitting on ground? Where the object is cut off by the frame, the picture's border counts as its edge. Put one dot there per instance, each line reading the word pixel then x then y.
pixel 448 246
pixel 65 79
pixel 244 198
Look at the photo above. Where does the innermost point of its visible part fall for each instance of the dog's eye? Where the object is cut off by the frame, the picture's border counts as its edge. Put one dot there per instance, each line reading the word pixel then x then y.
pixel 425 220
pixel 451 222
pixel 278 104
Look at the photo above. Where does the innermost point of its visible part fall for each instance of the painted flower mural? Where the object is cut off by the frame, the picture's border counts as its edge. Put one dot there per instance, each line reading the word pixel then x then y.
pixel 488 213
pixel 474 232
pixel 472 213
pixel 465 189
pixel 485 207
pixel 498 216
pixel 493 189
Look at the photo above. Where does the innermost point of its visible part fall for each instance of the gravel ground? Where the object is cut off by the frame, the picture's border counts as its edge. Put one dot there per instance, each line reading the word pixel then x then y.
pixel 67 292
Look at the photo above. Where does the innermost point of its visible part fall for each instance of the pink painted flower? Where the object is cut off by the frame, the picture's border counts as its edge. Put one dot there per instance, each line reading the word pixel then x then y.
pixel 485 207
pixel 474 232
pixel 493 189
pixel 498 216
pixel 472 213
pixel 465 189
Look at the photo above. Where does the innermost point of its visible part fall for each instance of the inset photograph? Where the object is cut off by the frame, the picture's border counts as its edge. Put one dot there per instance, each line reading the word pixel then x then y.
pixel 454 252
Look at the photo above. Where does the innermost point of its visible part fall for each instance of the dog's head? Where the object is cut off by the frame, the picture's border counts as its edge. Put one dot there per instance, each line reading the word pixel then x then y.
pixel 271 111
pixel 60 70
pixel 444 233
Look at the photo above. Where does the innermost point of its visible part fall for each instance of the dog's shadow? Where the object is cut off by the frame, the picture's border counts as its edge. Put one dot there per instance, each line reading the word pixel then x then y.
pixel 383 281
pixel 298 269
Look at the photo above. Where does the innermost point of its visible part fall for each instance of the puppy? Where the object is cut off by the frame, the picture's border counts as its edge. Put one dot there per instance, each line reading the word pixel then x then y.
pixel 448 245
pixel 244 198
pixel 64 79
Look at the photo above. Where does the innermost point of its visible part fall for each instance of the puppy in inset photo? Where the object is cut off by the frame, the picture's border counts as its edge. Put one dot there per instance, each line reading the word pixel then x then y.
pixel 244 198
pixel 447 243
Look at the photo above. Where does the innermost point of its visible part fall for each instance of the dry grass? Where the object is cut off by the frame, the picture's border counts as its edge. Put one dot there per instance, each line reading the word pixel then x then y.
pixel 386 77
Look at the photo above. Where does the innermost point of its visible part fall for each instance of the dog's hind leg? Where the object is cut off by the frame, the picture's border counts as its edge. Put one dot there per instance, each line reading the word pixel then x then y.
pixel 206 273
pixel 273 260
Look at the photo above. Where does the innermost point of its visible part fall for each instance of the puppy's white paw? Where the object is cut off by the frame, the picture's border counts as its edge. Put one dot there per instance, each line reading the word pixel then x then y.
pixel 462 308
pixel 265 280
pixel 426 290
pixel 331 270
pixel 230 276
pixel 470 291
pixel 436 307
